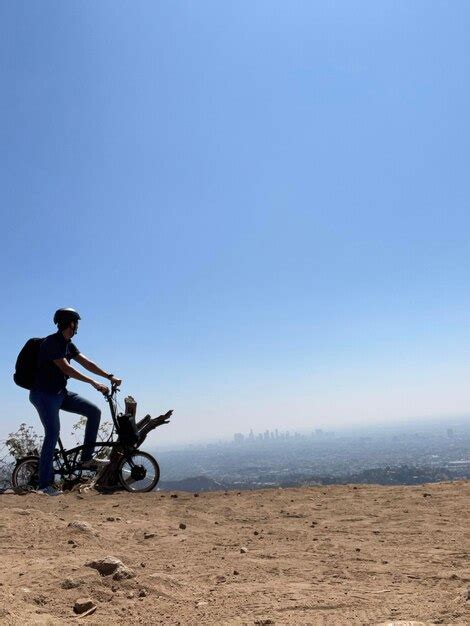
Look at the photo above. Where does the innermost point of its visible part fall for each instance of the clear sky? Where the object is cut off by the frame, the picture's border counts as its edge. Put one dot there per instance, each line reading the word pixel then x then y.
pixel 260 209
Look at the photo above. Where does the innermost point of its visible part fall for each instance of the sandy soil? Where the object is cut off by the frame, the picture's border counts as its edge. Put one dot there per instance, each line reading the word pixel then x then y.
pixel 322 555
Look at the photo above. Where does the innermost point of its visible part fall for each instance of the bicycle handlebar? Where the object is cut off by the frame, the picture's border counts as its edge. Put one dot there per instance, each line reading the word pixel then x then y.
pixel 114 390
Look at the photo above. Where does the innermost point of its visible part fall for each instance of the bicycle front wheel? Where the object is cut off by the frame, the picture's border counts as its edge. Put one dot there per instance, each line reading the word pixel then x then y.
pixel 25 477
pixel 138 472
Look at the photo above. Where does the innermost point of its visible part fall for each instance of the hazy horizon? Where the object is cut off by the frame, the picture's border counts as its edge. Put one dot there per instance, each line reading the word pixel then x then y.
pixel 162 437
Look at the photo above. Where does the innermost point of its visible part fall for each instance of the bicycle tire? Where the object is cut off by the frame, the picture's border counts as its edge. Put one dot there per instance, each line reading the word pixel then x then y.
pixel 132 483
pixel 30 482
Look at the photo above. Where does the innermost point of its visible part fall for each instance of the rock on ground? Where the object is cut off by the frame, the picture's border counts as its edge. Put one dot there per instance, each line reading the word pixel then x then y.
pixel 82 605
pixel 110 565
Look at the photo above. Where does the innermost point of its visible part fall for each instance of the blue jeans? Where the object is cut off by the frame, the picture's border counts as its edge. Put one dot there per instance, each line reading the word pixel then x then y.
pixel 48 406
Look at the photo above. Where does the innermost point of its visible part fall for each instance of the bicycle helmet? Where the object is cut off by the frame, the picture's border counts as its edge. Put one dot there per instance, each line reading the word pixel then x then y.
pixel 63 317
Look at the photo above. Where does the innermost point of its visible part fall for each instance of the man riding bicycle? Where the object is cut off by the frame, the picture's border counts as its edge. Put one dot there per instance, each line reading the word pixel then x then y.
pixel 50 394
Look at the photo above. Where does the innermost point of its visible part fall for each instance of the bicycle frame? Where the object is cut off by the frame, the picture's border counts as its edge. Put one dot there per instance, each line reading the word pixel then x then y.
pixel 68 458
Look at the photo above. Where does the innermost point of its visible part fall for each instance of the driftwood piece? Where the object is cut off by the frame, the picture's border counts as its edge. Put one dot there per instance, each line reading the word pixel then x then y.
pixel 147 425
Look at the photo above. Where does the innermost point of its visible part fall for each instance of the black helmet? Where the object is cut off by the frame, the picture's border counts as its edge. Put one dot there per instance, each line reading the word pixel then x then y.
pixel 63 317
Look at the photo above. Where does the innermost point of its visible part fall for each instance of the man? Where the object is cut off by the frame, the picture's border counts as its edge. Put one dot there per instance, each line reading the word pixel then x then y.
pixel 50 394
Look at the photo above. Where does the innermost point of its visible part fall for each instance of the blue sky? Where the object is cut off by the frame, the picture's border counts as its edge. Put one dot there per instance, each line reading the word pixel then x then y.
pixel 260 209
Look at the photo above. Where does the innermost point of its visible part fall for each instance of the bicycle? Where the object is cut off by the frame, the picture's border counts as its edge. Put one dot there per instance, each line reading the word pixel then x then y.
pixel 136 471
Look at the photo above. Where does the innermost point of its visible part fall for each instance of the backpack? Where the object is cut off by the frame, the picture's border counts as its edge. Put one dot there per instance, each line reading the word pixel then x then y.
pixel 127 431
pixel 27 363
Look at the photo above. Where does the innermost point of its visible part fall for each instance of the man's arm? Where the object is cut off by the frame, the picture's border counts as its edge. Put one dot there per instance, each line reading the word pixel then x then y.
pixel 68 370
pixel 92 367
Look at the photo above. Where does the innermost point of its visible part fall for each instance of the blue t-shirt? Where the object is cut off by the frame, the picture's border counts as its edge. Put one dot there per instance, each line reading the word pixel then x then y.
pixel 49 377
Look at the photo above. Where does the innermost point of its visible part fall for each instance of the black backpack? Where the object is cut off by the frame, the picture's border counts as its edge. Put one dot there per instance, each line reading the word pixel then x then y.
pixel 128 431
pixel 27 363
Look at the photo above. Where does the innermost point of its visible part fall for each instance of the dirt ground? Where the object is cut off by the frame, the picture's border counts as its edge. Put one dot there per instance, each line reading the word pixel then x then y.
pixel 319 555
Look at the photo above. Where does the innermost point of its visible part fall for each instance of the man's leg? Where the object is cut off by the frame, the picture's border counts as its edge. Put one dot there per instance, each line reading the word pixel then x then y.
pixel 47 406
pixel 73 403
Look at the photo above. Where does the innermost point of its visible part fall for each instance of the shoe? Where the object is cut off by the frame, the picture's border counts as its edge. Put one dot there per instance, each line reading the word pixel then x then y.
pixel 94 464
pixel 49 491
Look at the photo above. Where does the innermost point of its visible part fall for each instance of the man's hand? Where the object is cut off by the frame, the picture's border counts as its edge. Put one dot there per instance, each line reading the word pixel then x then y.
pixel 101 388
pixel 116 381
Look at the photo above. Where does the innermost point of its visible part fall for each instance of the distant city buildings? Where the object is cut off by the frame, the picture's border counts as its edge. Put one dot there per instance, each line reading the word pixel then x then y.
pixel 276 435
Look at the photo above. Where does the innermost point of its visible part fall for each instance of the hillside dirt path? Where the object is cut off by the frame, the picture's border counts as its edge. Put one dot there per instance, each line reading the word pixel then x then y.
pixel 319 555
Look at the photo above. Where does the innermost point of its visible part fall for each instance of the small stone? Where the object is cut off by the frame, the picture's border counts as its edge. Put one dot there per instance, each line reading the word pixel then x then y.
pixel 235 572
pixel 196 495
pixel 427 495
pixel 256 532
pixel 70 583
pixel 82 527
pixel 182 526
pixel 123 573
pixel 220 579
pixel 110 519
pixel 174 495
pixel 106 566
pixel 149 535
pixel 40 600
pixel 71 541
pixel 358 549
pixel 142 565
pixel 82 605
pixel 143 593
pixel 243 550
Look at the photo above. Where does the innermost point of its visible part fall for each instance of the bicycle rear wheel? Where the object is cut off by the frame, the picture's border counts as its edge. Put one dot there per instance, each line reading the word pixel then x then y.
pixel 138 472
pixel 25 477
